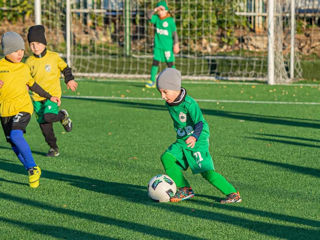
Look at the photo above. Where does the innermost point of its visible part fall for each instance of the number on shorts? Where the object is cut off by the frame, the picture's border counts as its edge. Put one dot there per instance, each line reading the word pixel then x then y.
pixel 167 54
pixel 198 157
pixel 17 117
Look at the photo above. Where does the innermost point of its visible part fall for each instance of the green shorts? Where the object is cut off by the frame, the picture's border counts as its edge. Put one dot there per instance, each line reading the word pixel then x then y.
pixel 199 159
pixel 163 55
pixel 43 107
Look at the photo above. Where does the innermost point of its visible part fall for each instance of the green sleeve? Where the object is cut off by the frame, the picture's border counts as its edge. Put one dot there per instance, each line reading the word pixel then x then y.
pixel 173 26
pixel 154 19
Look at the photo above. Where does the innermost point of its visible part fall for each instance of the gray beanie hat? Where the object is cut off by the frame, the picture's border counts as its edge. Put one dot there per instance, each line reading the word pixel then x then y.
pixel 169 79
pixel 11 42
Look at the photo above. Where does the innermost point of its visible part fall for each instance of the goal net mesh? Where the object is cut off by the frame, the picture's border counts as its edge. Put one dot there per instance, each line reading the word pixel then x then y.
pixel 222 39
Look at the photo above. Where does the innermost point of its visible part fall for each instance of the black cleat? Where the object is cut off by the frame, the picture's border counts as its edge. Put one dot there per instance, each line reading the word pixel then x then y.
pixel 66 121
pixel 53 152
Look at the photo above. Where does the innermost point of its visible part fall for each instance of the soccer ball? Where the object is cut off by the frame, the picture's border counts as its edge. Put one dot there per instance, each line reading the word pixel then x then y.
pixel 161 188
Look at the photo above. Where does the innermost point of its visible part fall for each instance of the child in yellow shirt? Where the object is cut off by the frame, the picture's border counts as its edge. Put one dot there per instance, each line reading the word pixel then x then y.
pixel 46 67
pixel 16 106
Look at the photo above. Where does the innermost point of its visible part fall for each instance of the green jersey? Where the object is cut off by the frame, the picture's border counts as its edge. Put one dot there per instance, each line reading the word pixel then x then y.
pixel 163 32
pixel 185 116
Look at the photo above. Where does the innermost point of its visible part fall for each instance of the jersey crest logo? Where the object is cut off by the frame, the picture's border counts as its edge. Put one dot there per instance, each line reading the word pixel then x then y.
pixel 47 68
pixel 182 117
pixel 165 24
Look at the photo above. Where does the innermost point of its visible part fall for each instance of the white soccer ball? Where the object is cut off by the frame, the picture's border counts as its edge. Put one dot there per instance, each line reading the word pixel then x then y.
pixel 161 188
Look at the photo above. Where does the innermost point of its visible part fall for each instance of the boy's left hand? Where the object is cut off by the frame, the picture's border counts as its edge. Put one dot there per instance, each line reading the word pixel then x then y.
pixel 56 100
pixel 191 141
pixel 72 84
pixel 1 83
pixel 176 48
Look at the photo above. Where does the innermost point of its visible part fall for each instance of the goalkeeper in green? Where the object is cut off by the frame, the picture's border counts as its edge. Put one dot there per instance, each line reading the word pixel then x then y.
pixel 191 148
pixel 166 42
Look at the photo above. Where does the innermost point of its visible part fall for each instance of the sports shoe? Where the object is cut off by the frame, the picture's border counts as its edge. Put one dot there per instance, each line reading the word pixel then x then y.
pixel 53 152
pixel 150 84
pixel 232 198
pixel 34 176
pixel 182 194
pixel 66 121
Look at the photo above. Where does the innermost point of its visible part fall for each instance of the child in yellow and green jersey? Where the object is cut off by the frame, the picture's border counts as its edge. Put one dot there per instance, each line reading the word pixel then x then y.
pixel 16 106
pixel 46 67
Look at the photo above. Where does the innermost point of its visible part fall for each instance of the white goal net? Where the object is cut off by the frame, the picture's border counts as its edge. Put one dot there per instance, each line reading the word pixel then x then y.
pixel 218 39
pixel 222 40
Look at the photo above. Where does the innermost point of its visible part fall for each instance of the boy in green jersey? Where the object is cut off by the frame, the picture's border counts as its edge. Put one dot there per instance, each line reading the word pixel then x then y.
pixel 166 42
pixel 191 148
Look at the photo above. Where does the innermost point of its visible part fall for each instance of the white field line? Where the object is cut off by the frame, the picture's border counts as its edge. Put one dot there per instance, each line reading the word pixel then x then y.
pixel 198 100
pixel 204 82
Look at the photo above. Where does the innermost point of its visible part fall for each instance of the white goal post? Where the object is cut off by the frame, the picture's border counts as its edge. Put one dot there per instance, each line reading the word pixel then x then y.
pixel 219 40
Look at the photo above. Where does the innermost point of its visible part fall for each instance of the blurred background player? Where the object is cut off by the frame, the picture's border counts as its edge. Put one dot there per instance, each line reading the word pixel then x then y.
pixel 166 42
pixel 191 148
pixel 46 67
pixel 16 106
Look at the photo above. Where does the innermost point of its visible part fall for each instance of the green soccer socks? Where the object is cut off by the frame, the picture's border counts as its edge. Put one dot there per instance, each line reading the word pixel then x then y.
pixel 173 170
pixel 154 71
pixel 219 182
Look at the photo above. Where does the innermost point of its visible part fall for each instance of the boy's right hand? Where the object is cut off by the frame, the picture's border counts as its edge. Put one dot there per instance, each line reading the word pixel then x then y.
pixel 56 100
pixel 159 8
pixel 1 83
pixel 191 141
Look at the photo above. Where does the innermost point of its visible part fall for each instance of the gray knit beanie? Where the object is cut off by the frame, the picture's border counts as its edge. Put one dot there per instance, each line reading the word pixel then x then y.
pixel 169 79
pixel 11 42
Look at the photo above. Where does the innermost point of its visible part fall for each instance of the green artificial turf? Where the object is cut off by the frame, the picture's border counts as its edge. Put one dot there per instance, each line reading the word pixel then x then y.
pixel 97 187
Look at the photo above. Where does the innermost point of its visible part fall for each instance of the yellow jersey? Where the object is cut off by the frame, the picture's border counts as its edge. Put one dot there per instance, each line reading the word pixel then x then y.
pixel 14 94
pixel 46 72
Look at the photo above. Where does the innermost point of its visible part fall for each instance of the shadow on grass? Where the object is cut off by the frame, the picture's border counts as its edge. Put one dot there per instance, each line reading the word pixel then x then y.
pixel 297 122
pixel 294 143
pixel 152 231
pixel 33 152
pixel 129 192
pixel 54 231
pixel 289 137
pixel 297 169
pixel 138 194
pixel 237 208
pixel 265 228
pixel 14 182
pixel 284 142
pixel 287 121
